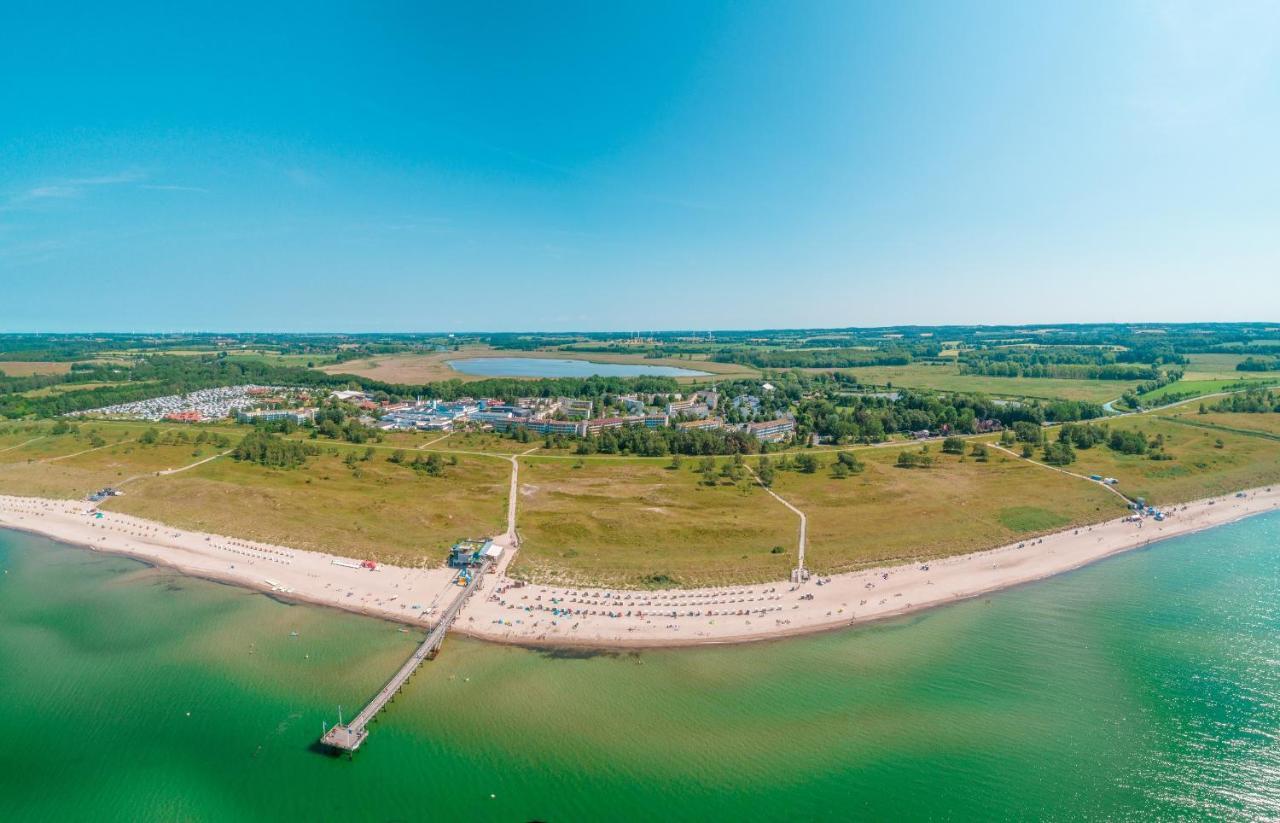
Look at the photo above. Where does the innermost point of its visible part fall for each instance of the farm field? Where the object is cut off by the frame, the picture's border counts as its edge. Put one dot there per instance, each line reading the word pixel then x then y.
pixel 1199 468
pixel 1263 423
pixel 277 359
pixel 63 388
pixel 413 369
pixel 948 378
pixel 639 523
pixel 265 355
pixel 26 368
pixel 388 513
pixel 1215 367
pixel 889 514
pixel 1260 423
pixel 1203 387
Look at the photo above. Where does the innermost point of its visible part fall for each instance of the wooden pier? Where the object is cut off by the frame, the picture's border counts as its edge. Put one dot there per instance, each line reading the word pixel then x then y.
pixel 349 737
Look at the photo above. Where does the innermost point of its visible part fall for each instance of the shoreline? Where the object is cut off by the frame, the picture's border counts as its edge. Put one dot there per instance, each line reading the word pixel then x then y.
pixel 543 616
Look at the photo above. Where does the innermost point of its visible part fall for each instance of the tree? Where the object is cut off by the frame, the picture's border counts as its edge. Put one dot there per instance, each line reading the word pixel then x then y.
pixel 273 450
pixel 149 437
pixel 1028 432
pixel 807 463
pixel 1059 454
pixel 850 461
pixel 953 445
pixel 1127 442
pixel 732 470
pixel 839 470
pixel 907 460
pixel 707 468
pixel 765 472
pixel 397 457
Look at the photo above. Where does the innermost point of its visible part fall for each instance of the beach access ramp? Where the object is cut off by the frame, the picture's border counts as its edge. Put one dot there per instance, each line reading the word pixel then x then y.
pixel 350 736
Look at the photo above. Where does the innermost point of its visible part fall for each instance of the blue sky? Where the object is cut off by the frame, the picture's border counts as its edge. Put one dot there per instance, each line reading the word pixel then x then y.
pixel 510 166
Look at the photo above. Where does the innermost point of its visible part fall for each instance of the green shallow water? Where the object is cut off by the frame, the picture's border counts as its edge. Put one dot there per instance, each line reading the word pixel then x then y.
pixel 1145 687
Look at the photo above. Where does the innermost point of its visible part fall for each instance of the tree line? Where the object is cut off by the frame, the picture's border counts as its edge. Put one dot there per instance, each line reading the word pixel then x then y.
pixel 841 358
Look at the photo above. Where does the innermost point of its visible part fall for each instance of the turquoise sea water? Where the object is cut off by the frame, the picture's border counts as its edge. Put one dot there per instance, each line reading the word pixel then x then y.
pixel 549 367
pixel 1144 687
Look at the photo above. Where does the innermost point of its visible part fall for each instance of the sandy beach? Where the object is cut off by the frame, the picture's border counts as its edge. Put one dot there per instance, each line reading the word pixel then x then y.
pixel 509 611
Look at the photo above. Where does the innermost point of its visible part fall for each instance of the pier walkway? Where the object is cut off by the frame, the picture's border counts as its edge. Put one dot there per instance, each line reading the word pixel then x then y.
pixel 349 737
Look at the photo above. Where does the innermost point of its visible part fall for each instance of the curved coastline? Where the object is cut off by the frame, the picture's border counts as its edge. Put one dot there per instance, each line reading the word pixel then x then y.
pixel 510 612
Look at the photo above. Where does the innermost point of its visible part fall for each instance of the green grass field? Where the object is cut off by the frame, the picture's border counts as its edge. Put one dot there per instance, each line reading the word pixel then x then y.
pixel 634 522
pixel 481 442
pixel 1215 367
pixel 1264 423
pixel 886 514
pixel 66 466
pixel 26 368
pixel 389 513
pixel 639 523
pixel 947 377
pixel 1199 468
pixel 1200 388
pixel 63 388
pixel 1261 424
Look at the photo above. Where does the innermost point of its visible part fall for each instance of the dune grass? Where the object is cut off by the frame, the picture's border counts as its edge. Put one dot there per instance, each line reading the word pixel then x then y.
pixel 640 523
pixel 634 522
pixel 888 514
pixel 1199 468
pixel 376 510
pixel 65 466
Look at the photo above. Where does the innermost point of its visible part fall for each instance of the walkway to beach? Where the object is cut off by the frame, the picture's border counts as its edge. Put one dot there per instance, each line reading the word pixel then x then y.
pixel 349 737
pixel 1106 486
pixel 804 521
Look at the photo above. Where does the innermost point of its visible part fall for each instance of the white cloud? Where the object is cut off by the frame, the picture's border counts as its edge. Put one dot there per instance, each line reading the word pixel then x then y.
pixel 70 188
pixel 75 187
pixel 170 187
pixel 47 192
